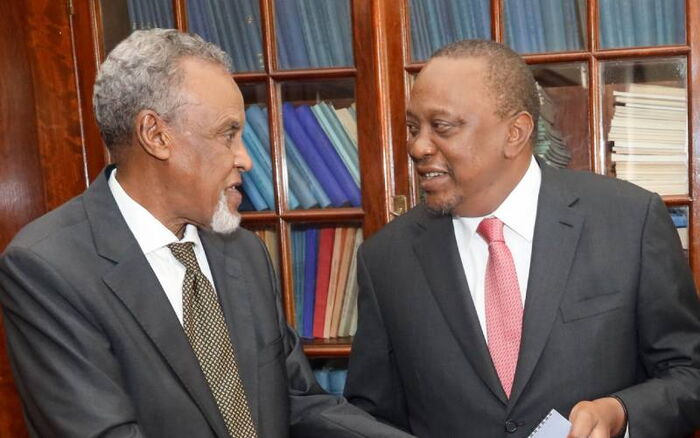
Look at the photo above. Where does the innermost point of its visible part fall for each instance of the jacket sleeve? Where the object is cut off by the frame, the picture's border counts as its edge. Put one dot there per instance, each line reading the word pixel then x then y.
pixel 313 412
pixel 65 373
pixel 667 404
pixel 373 381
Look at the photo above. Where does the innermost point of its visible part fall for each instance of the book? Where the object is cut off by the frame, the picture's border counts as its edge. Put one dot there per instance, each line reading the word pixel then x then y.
pixel 312 157
pixel 349 308
pixel 339 140
pixel 328 154
pixel 338 244
pixel 252 194
pixel 295 159
pixel 261 173
pixel 289 34
pixel 346 255
pixel 298 265
pixel 311 236
pixel 323 273
pixel 554 425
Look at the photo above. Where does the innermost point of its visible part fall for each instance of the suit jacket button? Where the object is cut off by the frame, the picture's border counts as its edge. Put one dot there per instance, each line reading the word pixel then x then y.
pixel 511 426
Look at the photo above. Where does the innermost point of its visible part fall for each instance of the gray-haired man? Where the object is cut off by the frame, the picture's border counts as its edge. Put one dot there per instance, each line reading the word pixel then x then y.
pixel 139 308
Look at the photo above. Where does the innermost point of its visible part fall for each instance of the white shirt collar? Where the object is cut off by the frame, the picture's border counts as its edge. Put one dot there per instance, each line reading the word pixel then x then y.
pixel 149 232
pixel 518 211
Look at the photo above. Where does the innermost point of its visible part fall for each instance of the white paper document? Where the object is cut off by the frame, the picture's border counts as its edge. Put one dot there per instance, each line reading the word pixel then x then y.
pixel 552 426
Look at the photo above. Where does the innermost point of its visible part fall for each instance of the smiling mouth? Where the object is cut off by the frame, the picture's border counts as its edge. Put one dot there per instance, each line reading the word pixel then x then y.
pixel 431 175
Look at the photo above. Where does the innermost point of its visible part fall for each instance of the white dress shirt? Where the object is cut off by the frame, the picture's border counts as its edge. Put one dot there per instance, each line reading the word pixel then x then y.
pixel 153 238
pixel 518 212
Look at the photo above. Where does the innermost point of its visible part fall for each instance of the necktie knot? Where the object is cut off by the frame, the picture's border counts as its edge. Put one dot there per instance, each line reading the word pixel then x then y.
pixel 184 253
pixel 491 229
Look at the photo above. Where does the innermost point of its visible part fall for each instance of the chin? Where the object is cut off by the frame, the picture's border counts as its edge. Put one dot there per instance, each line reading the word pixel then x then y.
pixel 442 205
pixel 224 221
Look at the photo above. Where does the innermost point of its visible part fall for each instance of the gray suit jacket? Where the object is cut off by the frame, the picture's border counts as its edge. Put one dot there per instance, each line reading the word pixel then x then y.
pixel 97 350
pixel 611 309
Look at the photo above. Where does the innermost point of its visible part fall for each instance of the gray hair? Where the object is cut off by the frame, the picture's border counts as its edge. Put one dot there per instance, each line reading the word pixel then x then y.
pixel 142 72
pixel 508 77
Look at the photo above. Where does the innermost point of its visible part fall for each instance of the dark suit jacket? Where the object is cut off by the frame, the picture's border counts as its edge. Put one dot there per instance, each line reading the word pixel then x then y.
pixel 610 309
pixel 97 349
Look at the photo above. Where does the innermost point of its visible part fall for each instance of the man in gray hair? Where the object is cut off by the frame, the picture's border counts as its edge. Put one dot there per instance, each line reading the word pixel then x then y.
pixel 139 308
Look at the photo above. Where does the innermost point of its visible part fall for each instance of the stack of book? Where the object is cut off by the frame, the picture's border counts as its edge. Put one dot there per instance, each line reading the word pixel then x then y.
pixel 313 33
pixel 332 380
pixel 649 135
pixel 321 154
pixel 233 25
pixel 147 14
pixel 629 23
pixel 435 23
pixel 550 144
pixel 545 25
pixel 325 283
pixel 679 215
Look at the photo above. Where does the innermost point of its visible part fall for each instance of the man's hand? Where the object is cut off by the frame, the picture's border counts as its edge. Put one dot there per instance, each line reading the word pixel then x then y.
pixel 601 418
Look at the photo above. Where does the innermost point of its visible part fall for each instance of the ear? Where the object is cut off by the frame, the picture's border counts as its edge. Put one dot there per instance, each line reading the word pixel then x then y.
pixel 519 132
pixel 152 134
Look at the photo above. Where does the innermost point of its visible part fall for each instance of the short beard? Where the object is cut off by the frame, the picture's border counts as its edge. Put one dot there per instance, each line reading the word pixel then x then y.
pixel 442 207
pixel 224 221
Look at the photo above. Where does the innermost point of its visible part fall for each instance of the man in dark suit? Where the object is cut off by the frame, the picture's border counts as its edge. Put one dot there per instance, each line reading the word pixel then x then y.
pixel 517 288
pixel 138 308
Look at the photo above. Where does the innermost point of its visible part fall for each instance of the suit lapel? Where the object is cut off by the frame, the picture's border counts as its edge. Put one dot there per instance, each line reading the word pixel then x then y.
pixel 557 230
pixel 437 253
pixel 133 281
pixel 234 295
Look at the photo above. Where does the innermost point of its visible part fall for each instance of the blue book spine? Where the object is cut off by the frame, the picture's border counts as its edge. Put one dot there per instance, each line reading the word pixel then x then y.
pixel 310 262
pixel 252 193
pixel 467 15
pixel 256 119
pixel 571 25
pixel 281 38
pixel 337 381
pixel 252 25
pixel 259 174
pixel 344 22
pixel 293 156
pixel 298 250
pixel 553 17
pixel 195 19
pixel 433 25
pixel 607 23
pixel 321 113
pixel 522 40
pixel 307 32
pixel 678 23
pixel 311 156
pixel 660 36
pixel 330 18
pixel 328 154
pixel 133 14
pixel 482 12
pixel 538 29
pixel 419 34
pixel 210 22
pixel 242 42
pixel 288 17
pixel 447 32
pixel 639 18
pixel 625 11
pixel 344 135
pixel 222 26
pixel 322 377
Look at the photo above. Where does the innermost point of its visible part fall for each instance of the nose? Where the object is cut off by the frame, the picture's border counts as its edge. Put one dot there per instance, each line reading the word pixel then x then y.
pixel 242 159
pixel 420 146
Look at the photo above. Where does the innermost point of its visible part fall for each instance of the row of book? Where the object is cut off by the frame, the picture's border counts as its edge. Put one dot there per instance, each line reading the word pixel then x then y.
pixel 534 26
pixel 630 23
pixel 313 33
pixel 649 135
pixel 325 284
pixel 549 143
pixel 321 152
pixel 435 23
pixel 679 215
pixel 332 380
pixel 147 14
pixel 233 25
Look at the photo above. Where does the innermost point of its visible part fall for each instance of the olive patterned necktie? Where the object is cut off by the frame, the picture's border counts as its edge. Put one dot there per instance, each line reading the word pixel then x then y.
pixel 206 329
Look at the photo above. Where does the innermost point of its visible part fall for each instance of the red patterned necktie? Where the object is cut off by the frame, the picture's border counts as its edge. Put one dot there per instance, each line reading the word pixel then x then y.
pixel 504 308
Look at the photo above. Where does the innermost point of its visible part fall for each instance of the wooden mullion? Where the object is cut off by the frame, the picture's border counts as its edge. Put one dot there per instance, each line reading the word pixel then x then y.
pixel 286 270
pixel 181 19
pixel 325 215
pixel 595 116
pixel 693 36
pixel 639 52
pixel 315 73
pixel 497 21
pixel 268 34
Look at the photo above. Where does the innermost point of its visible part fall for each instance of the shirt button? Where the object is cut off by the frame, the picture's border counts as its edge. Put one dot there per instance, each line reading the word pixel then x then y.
pixel 511 426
